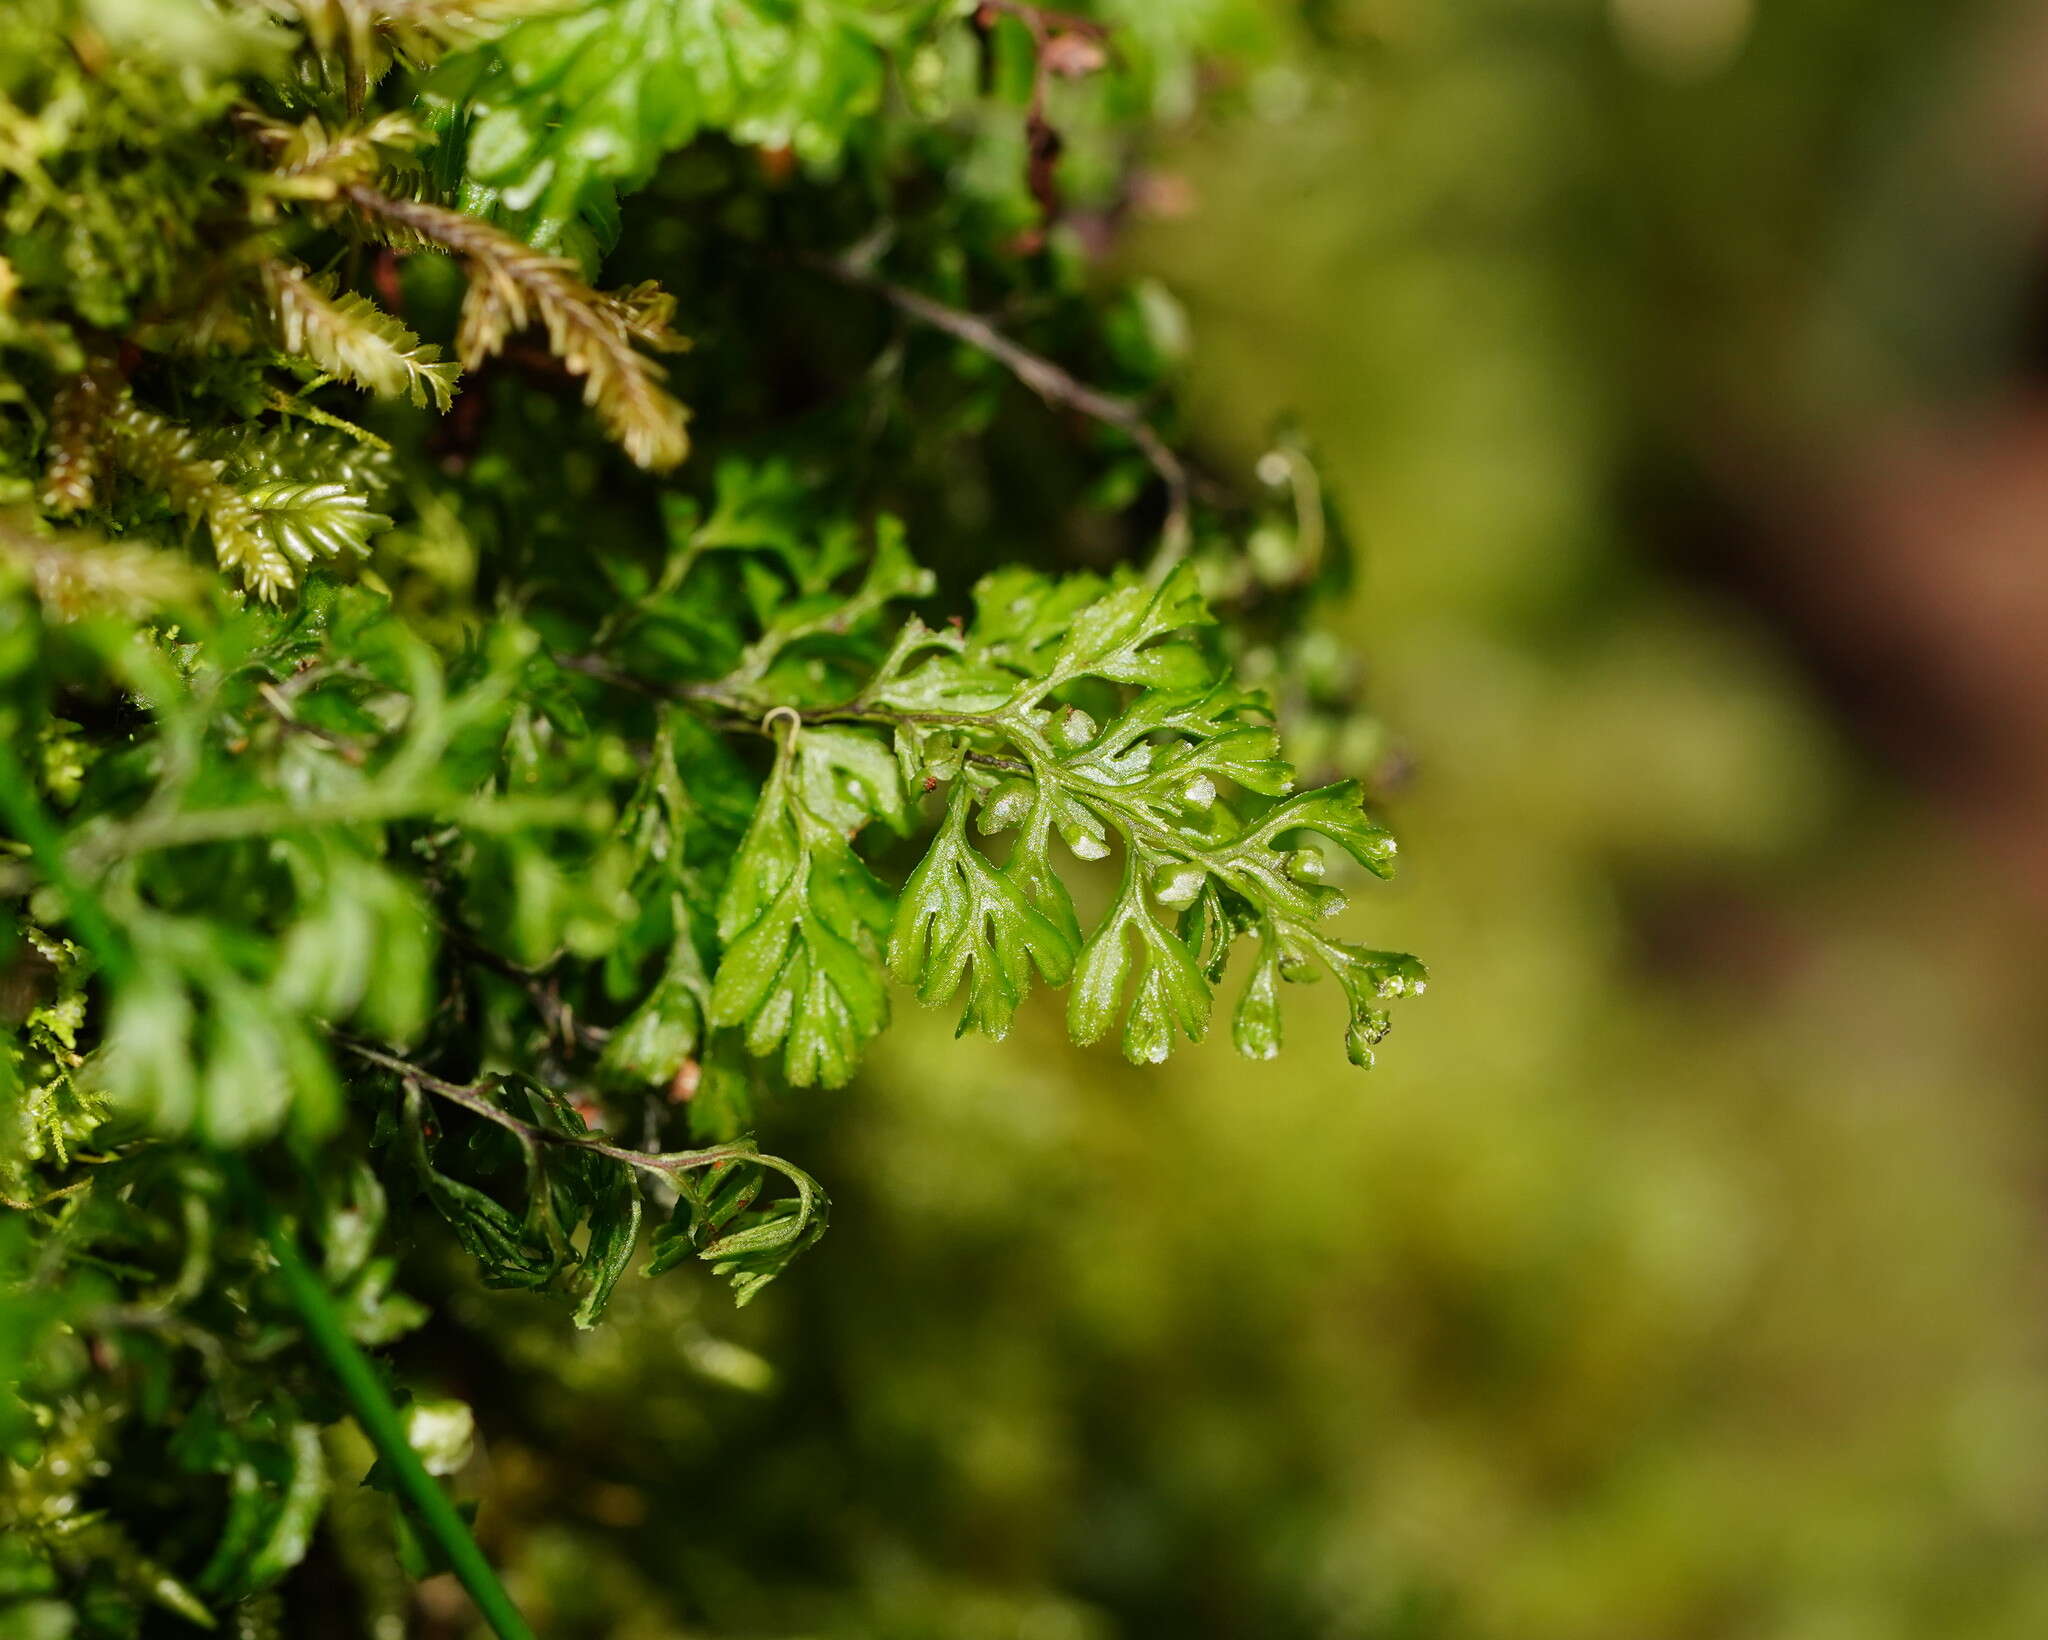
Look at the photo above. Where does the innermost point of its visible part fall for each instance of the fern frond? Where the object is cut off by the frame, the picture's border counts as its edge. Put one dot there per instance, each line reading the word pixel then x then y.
pixel 77 448
pixel 512 285
pixel 167 458
pixel 353 339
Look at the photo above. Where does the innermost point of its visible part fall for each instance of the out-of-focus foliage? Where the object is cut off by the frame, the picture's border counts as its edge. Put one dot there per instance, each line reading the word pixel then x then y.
pixel 497 807
pixel 1681 1276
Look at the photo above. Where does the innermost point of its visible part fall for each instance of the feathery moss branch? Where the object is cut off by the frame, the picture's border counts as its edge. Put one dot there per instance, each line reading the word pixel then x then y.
pixel 512 285
pixel 353 339
pixel 77 447
pixel 167 458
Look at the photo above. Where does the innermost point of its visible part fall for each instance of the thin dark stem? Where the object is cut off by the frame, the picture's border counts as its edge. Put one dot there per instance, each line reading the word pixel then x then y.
pixel 1051 383
pixel 739 716
pixel 287 715
pixel 596 666
pixel 477 1102
pixel 556 1015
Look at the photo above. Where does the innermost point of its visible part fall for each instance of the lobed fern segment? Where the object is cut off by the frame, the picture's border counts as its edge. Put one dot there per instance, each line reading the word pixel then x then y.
pixel 1087 710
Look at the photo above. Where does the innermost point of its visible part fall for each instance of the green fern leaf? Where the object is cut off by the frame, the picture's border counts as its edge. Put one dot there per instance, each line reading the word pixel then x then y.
pixel 801 920
pixel 963 920
pixel 1087 710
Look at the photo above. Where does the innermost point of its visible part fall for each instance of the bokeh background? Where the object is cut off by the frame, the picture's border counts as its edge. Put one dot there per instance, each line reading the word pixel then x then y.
pixel 1680 1273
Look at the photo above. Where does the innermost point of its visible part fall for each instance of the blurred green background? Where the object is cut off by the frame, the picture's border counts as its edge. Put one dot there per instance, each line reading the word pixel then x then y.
pixel 1679 1273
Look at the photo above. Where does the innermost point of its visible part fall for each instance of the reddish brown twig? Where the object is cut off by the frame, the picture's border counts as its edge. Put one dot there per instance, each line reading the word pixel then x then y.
pixel 1064 45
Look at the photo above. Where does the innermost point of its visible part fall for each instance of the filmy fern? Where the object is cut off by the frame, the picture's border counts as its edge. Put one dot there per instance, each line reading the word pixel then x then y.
pixel 1181 775
pixel 498 806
